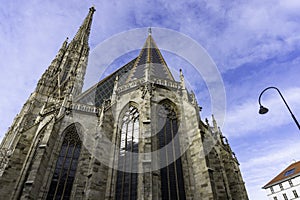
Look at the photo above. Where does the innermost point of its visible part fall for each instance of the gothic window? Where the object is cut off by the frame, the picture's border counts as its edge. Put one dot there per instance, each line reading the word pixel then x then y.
pixel 172 183
pixel 66 164
pixel 126 185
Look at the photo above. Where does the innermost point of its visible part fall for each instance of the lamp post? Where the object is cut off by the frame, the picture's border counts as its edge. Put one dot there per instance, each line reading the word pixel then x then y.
pixel 264 110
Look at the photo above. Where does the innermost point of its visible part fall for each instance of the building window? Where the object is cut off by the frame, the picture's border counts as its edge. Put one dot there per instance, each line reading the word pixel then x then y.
pixel 289 172
pixel 291 183
pixel 172 182
pixel 272 189
pixel 127 176
pixel 275 198
pixel 280 185
pixel 295 193
pixel 284 196
pixel 66 164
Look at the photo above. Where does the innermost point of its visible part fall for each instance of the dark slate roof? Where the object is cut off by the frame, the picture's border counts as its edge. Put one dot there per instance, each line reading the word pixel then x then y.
pixel 151 55
pixel 103 89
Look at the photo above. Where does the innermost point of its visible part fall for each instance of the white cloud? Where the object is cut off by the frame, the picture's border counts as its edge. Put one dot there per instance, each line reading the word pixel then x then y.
pixel 233 32
pixel 244 118
pixel 268 159
pixel 290 5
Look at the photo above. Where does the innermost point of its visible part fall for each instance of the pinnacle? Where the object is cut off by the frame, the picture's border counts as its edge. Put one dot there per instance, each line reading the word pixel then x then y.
pixel 83 33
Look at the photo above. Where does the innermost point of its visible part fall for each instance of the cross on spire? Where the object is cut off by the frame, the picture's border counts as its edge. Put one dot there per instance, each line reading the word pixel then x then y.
pixel 149 31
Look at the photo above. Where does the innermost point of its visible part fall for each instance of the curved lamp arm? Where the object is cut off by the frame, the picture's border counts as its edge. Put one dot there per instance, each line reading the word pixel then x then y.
pixel 263 110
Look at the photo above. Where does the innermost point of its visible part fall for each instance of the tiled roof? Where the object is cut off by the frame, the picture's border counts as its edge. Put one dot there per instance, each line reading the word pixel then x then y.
pixel 150 55
pixel 104 89
pixel 291 171
pixel 135 69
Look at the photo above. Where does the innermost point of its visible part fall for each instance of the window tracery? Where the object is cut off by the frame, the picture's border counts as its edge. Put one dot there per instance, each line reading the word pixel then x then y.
pixel 172 182
pixel 126 185
pixel 65 169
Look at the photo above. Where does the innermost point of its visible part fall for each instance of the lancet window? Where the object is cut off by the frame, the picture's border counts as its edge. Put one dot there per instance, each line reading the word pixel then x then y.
pixel 64 173
pixel 126 184
pixel 172 183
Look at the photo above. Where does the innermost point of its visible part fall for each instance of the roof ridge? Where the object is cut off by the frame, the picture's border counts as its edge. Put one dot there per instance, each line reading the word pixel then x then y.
pixel 282 175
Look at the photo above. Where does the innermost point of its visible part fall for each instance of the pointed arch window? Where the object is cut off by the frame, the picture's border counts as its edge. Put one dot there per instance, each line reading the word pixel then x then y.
pixel 126 185
pixel 172 182
pixel 66 164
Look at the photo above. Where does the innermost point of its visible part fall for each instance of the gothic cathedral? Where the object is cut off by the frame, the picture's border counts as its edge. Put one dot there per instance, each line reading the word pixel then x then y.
pixel 136 134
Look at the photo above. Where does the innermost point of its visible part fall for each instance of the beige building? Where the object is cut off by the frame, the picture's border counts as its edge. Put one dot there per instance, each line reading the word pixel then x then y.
pixel 286 185
pixel 136 134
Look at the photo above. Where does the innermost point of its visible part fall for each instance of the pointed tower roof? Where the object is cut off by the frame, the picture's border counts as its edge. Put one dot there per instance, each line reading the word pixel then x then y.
pixel 83 33
pixel 150 59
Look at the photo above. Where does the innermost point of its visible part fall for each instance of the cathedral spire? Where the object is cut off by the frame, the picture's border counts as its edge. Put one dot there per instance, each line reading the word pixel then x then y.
pixel 150 62
pixel 83 33
pixel 73 66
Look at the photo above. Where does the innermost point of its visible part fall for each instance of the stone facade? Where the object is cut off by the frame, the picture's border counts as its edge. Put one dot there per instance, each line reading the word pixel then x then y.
pixel 32 149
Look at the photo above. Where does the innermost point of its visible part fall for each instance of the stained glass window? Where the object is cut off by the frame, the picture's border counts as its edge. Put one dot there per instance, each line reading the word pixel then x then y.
pixel 126 185
pixel 172 183
pixel 66 164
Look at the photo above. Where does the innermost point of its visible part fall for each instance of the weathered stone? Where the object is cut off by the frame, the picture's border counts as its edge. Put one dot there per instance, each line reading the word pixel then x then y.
pixel 31 152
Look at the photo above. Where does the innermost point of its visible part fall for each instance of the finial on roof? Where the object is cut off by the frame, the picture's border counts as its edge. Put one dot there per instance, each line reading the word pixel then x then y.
pixel 214 122
pixel 182 79
pixel 149 31
pixel 65 43
pixel 83 33
pixel 206 120
pixel 93 8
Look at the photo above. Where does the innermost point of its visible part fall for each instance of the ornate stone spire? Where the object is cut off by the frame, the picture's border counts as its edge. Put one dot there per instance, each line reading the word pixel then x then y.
pixel 83 33
pixel 214 123
pixel 74 65
pixel 71 60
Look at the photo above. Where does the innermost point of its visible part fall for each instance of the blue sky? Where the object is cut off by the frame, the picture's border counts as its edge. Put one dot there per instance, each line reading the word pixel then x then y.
pixel 255 44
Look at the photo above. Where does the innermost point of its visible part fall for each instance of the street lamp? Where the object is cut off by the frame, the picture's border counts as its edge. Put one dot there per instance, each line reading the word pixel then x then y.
pixel 264 110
